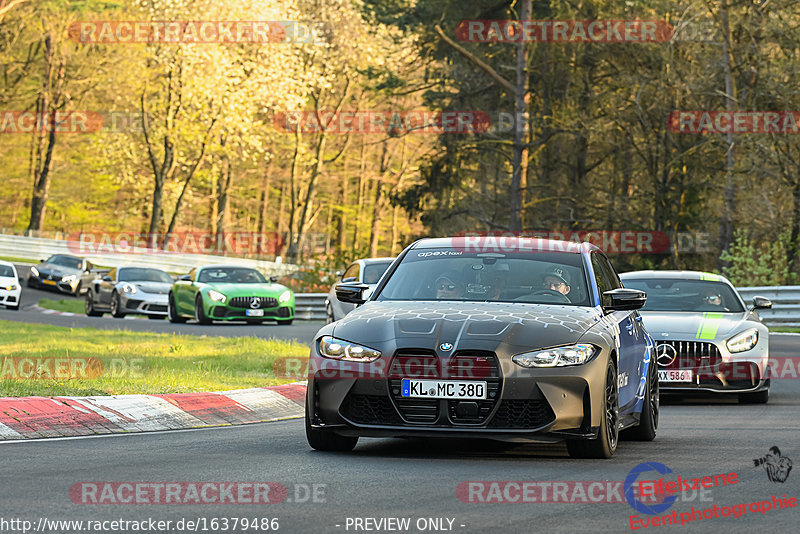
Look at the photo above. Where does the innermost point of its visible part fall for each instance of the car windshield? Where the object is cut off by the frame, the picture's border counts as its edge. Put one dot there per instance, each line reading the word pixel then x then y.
pixel 6 271
pixel 374 271
pixel 673 294
pixel 136 274
pixel 448 274
pixel 66 261
pixel 231 275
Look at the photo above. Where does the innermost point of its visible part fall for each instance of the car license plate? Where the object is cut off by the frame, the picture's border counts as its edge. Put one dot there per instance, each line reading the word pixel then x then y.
pixel 443 389
pixel 675 375
pixel 254 313
pixel 49 282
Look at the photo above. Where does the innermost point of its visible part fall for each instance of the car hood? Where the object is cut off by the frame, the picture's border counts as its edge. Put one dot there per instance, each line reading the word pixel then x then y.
pixel 463 323
pixel 695 325
pixel 7 281
pixel 56 270
pixel 248 290
pixel 157 288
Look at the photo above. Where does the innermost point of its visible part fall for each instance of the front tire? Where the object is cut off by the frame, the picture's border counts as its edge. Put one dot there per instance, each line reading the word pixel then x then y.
pixel 648 422
pixel 116 306
pixel 172 311
pixel 285 322
pixel 329 312
pixel 322 439
pixel 14 308
pixel 200 312
pixel 89 306
pixel 604 445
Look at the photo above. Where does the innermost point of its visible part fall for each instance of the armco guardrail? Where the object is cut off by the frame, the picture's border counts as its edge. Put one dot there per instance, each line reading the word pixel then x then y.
pixel 785 304
pixel 37 248
pixel 310 306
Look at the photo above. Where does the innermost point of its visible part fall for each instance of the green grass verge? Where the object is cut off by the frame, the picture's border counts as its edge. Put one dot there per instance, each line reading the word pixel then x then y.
pixel 13 259
pixel 784 329
pixel 103 362
pixel 71 305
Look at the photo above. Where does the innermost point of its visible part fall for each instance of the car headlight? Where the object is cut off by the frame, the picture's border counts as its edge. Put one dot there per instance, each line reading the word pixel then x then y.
pixel 557 356
pixel 285 296
pixel 216 296
pixel 12 287
pixel 34 271
pixel 338 349
pixel 743 341
pixel 70 278
pixel 130 289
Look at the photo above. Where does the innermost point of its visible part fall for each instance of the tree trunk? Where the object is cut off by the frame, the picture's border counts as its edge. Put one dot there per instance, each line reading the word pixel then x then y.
pixel 729 193
pixel 302 226
pixel 190 174
pixel 291 252
pixel 521 130
pixel 374 234
pixel 44 141
pixel 264 201
pixel 360 197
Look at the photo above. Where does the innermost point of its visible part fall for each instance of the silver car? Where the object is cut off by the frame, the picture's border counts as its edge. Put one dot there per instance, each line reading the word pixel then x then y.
pixel 707 340
pixel 135 290
pixel 365 271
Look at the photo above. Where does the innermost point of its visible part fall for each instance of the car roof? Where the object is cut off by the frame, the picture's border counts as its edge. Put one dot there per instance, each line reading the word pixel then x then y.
pixel 367 261
pixel 226 265
pixel 505 244
pixel 66 256
pixel 684 275
pixel 8 263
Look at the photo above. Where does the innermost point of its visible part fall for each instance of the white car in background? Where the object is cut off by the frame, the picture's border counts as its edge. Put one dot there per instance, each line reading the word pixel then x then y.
pixel 10 287
pixel 366 271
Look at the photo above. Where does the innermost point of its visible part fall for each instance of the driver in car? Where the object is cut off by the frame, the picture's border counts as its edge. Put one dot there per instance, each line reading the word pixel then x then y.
pixel 449 286
pixel 713 300
pixel 557 279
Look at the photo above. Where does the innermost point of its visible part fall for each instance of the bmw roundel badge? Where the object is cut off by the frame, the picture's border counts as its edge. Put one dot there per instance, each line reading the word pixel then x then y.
pixel 446 346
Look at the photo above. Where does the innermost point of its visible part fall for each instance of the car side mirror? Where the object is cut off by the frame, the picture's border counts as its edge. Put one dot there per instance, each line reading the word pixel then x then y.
pixel 761 303
pixel 351 293
pixel 625 299
pixel 273 279
pixel 106 278
pixel 185 278
pixel 41 261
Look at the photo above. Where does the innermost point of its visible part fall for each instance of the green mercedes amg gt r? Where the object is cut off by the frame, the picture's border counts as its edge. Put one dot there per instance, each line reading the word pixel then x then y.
pixel 229 293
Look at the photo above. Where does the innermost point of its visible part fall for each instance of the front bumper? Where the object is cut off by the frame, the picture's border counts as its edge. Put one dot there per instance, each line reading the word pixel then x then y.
pixel 543 405
pixel 715 369
pixel 228 313
pixel 10 298
pixel 54 283
pixel 145 303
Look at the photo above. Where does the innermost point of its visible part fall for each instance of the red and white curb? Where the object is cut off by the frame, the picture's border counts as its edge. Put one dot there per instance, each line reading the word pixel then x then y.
pixel 48 417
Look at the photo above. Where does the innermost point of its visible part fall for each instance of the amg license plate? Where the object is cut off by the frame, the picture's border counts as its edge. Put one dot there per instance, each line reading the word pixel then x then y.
pixel 254 313
pixel 675 375
pixel 49 282
pixel 443 389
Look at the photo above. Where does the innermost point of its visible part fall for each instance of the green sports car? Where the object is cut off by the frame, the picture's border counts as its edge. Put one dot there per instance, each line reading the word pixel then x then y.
pixel 229 293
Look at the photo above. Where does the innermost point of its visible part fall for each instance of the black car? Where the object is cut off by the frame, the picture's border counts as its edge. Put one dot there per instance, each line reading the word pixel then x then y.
pixel 60 271
pixel 536 341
